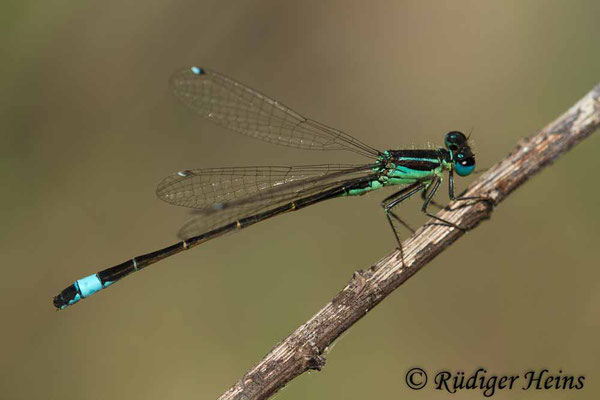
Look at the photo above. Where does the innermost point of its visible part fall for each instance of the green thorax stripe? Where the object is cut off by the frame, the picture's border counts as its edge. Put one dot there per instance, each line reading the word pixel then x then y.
pixel 418 160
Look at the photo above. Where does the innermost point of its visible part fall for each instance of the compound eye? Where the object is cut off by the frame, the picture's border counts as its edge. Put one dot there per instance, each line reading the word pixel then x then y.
pixel 464 166
pixel 455 138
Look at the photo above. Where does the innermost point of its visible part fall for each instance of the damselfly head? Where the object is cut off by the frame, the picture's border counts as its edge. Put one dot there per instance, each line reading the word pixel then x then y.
pixel 463 158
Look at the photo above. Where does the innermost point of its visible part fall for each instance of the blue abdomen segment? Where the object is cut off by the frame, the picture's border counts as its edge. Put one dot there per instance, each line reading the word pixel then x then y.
pixel 90 285
pixel 81 289
pixel 87 286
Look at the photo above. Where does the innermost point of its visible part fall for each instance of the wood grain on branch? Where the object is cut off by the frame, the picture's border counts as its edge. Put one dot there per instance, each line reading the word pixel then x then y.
pixel 302 350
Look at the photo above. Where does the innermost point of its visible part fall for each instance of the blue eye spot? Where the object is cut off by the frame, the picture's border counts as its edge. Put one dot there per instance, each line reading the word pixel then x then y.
pixel 197 70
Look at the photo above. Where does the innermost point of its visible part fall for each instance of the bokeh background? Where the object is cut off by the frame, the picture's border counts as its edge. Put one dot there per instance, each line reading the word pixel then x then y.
pixel 88 128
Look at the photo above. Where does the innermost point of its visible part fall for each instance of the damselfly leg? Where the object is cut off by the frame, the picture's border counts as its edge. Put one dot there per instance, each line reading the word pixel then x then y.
pixel 428 191
pixel 392 201
pixel 460 196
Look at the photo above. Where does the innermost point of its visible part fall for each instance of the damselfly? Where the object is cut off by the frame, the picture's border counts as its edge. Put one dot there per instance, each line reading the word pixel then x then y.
pixel 229 199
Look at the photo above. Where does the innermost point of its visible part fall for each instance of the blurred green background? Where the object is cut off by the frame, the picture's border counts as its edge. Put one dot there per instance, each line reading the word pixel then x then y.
pixel 88 128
